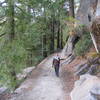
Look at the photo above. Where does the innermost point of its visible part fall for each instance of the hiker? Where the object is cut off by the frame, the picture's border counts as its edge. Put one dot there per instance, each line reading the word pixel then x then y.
pixel 56 64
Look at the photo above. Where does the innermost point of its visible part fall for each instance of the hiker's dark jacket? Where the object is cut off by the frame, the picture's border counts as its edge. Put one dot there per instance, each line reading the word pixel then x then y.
pixel 56 62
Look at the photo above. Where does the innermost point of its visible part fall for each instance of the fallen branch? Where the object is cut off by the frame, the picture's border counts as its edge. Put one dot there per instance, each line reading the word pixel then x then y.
pixel 94 42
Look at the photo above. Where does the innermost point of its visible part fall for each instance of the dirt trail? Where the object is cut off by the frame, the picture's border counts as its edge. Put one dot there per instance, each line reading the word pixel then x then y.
pixel 43 85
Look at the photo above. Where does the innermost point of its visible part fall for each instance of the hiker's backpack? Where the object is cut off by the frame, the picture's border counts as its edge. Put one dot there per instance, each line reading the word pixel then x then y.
pixel 56 61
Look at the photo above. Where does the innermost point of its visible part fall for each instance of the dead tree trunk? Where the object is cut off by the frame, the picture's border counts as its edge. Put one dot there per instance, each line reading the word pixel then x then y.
pixel 70 45
pixel 94 42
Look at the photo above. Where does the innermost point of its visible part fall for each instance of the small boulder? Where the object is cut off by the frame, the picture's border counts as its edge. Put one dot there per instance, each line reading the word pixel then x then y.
pixel 25 73
pixel 3 90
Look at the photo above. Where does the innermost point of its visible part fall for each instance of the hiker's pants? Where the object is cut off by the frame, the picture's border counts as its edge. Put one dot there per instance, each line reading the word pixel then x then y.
pixel 57 70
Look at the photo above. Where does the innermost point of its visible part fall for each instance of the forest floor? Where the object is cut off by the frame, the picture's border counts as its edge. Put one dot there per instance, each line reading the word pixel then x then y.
pixel 42 84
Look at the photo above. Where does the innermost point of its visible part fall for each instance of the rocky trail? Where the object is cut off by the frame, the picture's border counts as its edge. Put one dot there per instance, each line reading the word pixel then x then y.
pixel 42 84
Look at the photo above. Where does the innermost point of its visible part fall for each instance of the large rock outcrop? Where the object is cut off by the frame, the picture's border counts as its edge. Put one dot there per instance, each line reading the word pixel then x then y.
pixel 25 73
pixel 92 66
pixel 87 88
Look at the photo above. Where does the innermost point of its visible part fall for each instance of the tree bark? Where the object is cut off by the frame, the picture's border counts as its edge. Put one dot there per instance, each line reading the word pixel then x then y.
pixel 71 8
pixel 52 35
pixel 61 42
pixel 11 20
pixel 44 37
pixel 11 31
pixel 44 52
pixel 69 47
pixel 58 36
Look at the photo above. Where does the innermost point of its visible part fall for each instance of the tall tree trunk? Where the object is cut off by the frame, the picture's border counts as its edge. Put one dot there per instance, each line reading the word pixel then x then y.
pixel 44 36
pixel 71 6
pixel 29 61
pixel 30 50
pixel 58 36
pixel 61 36
pixel 68 49
pixel 52 35
pixel 11 23
pixel 44 52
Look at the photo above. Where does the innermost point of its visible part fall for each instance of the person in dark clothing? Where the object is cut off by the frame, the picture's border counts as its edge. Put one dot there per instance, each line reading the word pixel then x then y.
pixel 56 64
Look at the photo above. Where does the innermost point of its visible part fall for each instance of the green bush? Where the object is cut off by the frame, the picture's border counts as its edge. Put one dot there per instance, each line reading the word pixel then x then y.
pixel 83 45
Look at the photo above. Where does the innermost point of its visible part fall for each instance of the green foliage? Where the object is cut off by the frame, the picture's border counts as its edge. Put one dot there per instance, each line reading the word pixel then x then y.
pixel 83 45
pixel 29 20
pixel 12 57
